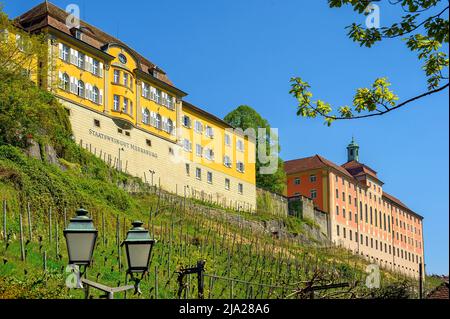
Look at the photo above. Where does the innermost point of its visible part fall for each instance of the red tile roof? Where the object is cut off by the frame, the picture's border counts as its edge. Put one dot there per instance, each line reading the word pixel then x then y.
pixel 47 14
pixel 314 162
pixel 399 203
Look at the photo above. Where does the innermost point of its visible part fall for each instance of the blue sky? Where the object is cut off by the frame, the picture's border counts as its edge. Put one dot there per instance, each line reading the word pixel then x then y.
pixel 228 53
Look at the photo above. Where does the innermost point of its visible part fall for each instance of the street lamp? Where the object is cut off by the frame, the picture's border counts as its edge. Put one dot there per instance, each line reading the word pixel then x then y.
pixel 138 245
pixel 80 237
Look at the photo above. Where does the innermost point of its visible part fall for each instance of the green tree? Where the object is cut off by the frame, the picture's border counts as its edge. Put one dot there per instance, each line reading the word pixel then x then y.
pixel 245 117
pixel 424 29
pixel 22 52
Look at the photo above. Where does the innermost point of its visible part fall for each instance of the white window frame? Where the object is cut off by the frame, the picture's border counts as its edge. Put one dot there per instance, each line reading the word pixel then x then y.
pixel 240 145
pixel 198 173
pixel 240 166
pixel 227 161
pixel 116 78
pixel 227 139
pixel 198 150
pixel 227 184
pixel 209 177
pixel 116 103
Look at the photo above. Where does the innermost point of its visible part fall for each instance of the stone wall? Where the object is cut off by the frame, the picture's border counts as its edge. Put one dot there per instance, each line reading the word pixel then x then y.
pixel 271 203
pixel 303 207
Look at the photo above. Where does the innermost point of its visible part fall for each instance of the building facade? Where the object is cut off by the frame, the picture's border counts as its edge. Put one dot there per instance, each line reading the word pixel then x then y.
pixel 363 218
pixel 126 110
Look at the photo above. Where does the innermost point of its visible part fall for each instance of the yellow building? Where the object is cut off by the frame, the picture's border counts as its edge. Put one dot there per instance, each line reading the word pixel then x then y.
pixel 125 109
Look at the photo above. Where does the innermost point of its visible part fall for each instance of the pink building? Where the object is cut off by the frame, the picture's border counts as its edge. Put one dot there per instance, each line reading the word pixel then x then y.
pixel 363 218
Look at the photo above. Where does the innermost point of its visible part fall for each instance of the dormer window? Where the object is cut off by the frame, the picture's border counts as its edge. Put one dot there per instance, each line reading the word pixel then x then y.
pixel 78 34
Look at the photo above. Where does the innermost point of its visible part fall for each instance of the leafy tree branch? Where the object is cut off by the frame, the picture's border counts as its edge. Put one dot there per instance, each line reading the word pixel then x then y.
pixel 424 38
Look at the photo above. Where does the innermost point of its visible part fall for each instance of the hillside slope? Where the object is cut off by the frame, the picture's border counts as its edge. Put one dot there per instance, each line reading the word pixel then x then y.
pixel 45 175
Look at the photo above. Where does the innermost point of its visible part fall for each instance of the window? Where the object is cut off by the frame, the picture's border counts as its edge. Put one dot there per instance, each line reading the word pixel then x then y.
pixel 209 177
pixel 349 199
pixel 198 173
pixel 78 34
pixel 297 181
pixel 227 140
pixel 313 194
pixel 116 103
pixel 125 79
pixel 350 216
pixel 209 131
pixel 350 235
pixel 170 127
pixel 227 184
pixel 198 127
pixel 125 105
pixel 96 123
pixel 337 193
pixel 122 58
pixel 187 145
pixel 64 52
pixel 337 230
pixel 145 90
pixel 186 121
pixel 188 170
pixel 343 212
pixel 240 188
pixel 81 60
pixel 158 122
pixel 81 90
pixel 227 161
pixel 146 116
pixel 344 232
pixel 337 210
pixel 96 67
pixel 343 196
pixel 198 150
pixel 313 178
pixel 65 82
pixel 148 142
pixel 209 154
pixel 95 95
pixel 116 76
pixel 240 145
pixel 240 167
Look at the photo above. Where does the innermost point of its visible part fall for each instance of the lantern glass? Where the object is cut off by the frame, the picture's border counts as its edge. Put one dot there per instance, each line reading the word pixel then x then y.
pixel 80 247
pixel 139 255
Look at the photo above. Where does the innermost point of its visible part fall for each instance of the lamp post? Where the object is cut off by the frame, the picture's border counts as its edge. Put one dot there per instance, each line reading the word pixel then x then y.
pixel 153 173
pixel 81 236
pixel 138 247
pixel 120 163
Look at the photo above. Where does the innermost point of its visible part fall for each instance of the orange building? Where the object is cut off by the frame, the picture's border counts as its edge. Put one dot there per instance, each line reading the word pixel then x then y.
pixel 363 218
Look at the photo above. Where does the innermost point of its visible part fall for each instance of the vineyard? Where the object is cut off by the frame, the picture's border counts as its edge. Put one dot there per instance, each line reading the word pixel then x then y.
pixel 240 263
pixel 40 193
